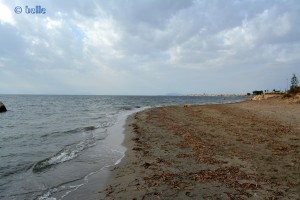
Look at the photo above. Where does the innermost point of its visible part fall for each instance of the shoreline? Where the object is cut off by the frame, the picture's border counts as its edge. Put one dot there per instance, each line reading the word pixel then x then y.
pixel 98 179
pixel 209 151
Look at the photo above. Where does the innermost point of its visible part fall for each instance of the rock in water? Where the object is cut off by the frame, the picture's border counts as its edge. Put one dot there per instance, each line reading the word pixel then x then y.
pixel 2 107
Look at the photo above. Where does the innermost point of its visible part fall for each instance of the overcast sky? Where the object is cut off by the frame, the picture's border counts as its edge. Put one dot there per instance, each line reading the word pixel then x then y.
pixel 148 47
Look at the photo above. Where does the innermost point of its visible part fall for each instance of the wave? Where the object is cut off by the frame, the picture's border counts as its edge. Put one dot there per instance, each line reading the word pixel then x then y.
pixel 81 129
pixel 125 108
pixel 72 131
pixel 73 185
pixel 68 153
pixel 128 107
pixel 10 170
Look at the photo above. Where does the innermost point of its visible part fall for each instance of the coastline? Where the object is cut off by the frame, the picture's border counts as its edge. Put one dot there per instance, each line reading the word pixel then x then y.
pixel 241 150
pixel 98 179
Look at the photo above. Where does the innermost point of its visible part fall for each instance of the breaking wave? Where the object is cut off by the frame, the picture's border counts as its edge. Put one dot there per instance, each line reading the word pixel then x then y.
pixel 68 153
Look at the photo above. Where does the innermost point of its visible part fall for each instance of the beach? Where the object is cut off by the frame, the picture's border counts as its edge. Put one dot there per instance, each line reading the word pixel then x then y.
pixel 246 150
pixel 66 151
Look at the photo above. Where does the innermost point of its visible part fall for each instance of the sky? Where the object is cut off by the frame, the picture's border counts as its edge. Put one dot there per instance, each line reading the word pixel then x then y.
pixel 148 47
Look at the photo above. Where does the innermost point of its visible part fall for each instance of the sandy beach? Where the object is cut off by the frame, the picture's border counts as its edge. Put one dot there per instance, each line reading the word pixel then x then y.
pixel 248 150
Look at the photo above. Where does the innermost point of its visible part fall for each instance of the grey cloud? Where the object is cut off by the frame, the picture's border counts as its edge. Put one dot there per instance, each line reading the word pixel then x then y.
pixel 154 14
pixel 107 47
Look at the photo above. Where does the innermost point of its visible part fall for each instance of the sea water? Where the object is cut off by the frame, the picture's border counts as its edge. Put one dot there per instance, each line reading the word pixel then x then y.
pixel 51 145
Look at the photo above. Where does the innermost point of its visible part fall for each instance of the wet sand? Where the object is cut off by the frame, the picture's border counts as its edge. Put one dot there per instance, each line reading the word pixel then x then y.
pixel 248 150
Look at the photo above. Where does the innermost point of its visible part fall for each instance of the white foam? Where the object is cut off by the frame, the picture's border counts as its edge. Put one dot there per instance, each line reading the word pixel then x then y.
pixel 46 196
pixel 66 154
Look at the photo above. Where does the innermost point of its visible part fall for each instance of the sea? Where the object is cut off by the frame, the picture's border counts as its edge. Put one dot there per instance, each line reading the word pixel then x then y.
pixel 53 146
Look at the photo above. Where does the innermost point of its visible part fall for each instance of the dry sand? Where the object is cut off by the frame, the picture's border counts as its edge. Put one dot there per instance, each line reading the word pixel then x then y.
pixel 248 150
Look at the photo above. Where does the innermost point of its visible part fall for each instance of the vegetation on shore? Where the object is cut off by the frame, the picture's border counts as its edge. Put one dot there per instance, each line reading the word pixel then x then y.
pixel 292 95
pixel 294 89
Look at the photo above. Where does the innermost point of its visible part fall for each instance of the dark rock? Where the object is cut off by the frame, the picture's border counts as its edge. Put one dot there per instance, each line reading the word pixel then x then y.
pixel 2 107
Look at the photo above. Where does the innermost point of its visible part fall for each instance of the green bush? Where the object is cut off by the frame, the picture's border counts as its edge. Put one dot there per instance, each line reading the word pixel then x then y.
pixel 287 95
pixel 294 90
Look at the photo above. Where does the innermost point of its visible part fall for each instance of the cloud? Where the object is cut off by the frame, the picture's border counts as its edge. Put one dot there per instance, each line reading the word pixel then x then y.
pixel 6 15
pixel 148 47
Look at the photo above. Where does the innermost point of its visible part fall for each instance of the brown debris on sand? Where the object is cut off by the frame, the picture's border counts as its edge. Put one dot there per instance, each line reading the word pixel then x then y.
pixel 248 150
